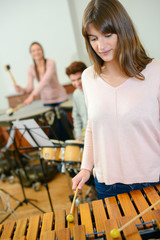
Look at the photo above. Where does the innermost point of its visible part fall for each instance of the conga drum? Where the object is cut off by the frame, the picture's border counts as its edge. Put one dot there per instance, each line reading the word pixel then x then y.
pixel 52 154
pixel 73 152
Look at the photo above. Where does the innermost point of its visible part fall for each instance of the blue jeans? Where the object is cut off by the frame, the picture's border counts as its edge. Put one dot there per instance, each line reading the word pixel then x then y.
pixel 104 191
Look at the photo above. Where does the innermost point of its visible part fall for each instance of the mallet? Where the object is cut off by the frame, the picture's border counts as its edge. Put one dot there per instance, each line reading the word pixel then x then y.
pixel 115 233
pixel 70 217
pixel 10 111
pixel 7 67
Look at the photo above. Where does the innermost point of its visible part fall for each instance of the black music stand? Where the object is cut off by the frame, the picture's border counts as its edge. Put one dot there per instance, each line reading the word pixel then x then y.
pixel 32 140
pixel 41 162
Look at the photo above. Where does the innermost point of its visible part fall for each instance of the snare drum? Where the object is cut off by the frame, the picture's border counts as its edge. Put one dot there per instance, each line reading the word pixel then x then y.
pixel 52 154
pixel 73 151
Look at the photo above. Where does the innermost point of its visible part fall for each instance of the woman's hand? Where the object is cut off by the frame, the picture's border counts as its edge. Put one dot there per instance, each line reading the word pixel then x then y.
pixel 80 179
pixel 19 89
pixel 29 99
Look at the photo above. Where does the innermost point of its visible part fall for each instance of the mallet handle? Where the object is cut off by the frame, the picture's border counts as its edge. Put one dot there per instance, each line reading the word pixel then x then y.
pixel 139 215
pixel 13 79
pixel 75 195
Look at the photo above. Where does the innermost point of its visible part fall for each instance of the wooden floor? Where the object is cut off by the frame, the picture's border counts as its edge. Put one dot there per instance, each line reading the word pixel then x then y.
pixel 59 191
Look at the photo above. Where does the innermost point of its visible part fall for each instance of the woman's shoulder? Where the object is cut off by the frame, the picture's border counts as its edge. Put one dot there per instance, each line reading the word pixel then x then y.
pixel 152 68
pixel 88 71
pixel 50 62
pixel 31 69
pixel 154 64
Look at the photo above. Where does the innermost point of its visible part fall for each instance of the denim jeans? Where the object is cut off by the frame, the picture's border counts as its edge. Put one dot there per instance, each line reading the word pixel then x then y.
pixel 104 191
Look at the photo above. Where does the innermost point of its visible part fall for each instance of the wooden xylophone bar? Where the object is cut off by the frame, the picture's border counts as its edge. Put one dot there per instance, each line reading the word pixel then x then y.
pixel 93 221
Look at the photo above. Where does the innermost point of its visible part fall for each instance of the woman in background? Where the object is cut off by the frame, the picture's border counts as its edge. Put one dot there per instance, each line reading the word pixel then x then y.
pixel 44 70
pixel 51 92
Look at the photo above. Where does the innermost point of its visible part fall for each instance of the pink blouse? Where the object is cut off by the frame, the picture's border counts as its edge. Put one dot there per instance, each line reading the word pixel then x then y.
pixel 122 139
pixel 49 88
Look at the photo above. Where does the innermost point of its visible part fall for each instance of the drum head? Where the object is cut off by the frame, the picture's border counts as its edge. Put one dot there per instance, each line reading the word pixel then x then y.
pixel 74 143
pixel 57 142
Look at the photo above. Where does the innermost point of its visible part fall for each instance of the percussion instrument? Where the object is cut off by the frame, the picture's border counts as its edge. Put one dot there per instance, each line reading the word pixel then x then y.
pixel 34 110
pixel 93 221
pixel 52 154
pixel 73 153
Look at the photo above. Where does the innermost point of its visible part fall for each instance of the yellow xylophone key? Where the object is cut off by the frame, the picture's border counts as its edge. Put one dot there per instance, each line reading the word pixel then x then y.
pixel 75 222
pixel 79 232
pixel 33 228
pixel 86 219
pixel 21 227
pixel 20 238
pixel 64 234
pixel 127 206
pixel 99 215
pixel 152 195
pixel 112 208
pixel 8 230
pixel 59 220
pixel 49 235
pixel 131 231
pixel 158 187
pixel 141 205
pixel 156 215
pixel 1 226
pixel 7 239
pixel 47 223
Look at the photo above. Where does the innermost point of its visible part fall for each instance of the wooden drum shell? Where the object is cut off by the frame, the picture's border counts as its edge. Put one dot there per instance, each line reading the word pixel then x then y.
pixel 52 153
pixel 73 151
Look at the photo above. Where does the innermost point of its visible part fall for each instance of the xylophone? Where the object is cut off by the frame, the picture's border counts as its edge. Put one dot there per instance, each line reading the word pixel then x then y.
pixel 93 221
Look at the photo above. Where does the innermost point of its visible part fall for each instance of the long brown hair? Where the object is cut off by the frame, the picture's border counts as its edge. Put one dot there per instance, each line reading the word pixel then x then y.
pixel 109 16
pixel 35 65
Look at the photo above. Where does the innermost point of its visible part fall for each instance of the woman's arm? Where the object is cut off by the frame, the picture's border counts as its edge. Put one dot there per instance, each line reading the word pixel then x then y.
pixel 87 162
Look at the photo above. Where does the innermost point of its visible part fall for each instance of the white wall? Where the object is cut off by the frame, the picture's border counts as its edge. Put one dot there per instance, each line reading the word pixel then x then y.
pixel 56 24
pixel 146 17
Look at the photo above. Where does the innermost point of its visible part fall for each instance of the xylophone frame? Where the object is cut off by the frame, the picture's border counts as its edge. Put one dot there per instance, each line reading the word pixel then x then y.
pixel 93 221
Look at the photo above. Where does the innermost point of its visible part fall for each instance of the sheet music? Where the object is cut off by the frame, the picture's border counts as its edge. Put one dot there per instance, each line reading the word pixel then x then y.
pixel 38 134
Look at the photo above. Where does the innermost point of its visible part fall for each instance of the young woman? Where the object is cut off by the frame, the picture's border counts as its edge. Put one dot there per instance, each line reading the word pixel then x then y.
pixel 122 92
pixel 44 70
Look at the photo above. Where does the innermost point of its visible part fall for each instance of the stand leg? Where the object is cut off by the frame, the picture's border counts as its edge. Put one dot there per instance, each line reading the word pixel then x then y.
pixel 26 201
pixel 45 184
